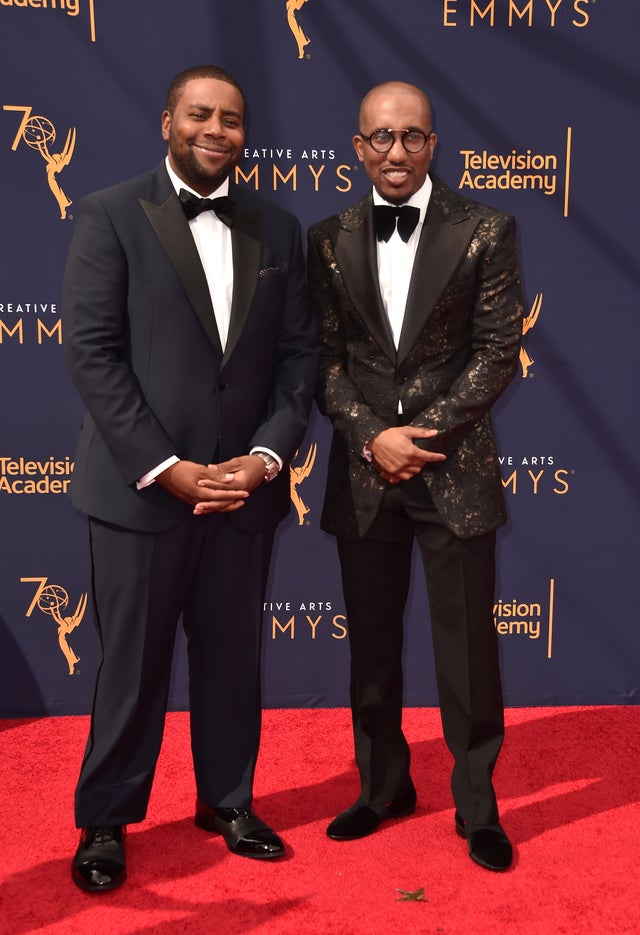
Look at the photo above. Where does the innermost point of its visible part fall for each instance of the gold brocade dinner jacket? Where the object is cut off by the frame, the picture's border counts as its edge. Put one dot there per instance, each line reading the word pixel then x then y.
pixel 457 352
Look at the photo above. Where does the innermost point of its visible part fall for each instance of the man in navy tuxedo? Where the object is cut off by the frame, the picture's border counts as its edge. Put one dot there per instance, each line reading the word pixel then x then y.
pixel 189 337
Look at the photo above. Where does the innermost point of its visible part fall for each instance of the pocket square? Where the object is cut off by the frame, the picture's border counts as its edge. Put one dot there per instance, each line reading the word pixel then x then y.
pixel 270 271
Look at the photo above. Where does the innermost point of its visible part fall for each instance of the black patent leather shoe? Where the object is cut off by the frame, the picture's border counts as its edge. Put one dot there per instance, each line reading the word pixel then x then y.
pixel 245 834
pixel 489 847
pixel 99 864
pixel 361 820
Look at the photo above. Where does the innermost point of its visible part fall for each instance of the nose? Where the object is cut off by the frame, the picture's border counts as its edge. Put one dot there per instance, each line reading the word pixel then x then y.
pixel 214 126
pixel 397 151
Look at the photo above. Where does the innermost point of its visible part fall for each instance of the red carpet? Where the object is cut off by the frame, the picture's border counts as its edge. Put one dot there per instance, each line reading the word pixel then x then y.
pixel 567 782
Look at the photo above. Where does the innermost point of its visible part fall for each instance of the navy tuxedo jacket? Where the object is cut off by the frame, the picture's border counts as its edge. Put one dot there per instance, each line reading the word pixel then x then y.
pixel 142 347
pixel 457 352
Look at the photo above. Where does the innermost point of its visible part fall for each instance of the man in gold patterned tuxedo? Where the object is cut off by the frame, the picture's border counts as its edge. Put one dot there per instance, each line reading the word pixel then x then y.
pixel 420 312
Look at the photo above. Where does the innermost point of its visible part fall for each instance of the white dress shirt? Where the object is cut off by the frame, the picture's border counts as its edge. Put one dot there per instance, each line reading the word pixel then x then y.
pixel 213 243
pixel 396 258
pixel 395 263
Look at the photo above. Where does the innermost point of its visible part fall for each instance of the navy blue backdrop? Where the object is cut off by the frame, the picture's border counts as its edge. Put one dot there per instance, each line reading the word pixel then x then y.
pixel 536 111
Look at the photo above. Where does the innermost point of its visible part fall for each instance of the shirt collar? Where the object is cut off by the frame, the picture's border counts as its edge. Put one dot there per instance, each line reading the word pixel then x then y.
pixel 176 181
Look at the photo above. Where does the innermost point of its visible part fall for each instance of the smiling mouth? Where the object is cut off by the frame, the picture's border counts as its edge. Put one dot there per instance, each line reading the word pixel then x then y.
pixel 211 150
pixel 395 173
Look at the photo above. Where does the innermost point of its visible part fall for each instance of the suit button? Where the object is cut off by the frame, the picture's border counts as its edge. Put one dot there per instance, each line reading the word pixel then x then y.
pixel 222 386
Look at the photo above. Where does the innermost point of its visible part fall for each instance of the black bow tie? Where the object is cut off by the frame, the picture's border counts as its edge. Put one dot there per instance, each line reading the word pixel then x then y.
pixel 384 220
pixel 193 206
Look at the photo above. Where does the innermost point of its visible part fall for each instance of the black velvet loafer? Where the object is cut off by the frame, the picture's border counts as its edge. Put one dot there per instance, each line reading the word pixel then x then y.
pixel 489 847
pixel 99 864
pixel 361 820
pixel 245 834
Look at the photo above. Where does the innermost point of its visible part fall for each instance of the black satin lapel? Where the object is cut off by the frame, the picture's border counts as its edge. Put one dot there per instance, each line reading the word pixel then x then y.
pixel 246 241
pixel 442 244
pixel 356 257
pixel 171 226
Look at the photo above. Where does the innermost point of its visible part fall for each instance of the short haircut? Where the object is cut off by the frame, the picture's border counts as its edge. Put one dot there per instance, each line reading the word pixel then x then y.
pixel 199 71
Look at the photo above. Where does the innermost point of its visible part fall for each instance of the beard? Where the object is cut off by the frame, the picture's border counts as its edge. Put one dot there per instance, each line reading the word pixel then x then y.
pixel 198 176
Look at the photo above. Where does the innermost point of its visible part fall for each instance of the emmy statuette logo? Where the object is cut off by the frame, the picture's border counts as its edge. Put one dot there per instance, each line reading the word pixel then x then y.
pixel 52 600
pixel 293 6
pixel 40 134
pixel 298 474
pixel 527 324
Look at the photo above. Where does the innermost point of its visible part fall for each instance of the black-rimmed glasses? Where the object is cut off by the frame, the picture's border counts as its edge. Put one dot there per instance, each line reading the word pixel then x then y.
pixel 381 141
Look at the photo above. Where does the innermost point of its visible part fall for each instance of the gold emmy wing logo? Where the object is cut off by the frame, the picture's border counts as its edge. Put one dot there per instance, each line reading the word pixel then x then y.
pixel 292 8
pixel 52 600
pixel 298 474
pixel 39 133
pixel 527 325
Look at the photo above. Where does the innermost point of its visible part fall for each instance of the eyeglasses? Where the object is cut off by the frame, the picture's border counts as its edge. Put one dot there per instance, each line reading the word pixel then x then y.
pixel 381 141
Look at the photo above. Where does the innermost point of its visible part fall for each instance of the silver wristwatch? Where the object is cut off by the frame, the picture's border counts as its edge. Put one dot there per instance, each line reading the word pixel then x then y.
pixel 271 468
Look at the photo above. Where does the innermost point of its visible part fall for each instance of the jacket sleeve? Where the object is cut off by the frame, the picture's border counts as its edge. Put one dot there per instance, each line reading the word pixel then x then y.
pixel 96 347
pixel 296 362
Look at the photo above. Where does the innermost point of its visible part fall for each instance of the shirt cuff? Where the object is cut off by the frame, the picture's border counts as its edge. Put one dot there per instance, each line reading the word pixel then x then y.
pixel 150 476
pixel 267 451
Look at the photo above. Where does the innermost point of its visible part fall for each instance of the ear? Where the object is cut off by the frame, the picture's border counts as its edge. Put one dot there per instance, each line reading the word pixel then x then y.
pixel 166 124
pixel 358 145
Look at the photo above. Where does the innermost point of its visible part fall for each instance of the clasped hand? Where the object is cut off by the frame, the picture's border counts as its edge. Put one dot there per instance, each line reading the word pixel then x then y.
pixel 213 488
pixel 396 458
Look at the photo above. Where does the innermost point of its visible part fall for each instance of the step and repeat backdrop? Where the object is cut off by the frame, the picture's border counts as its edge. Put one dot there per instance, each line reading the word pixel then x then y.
pixel 536 111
